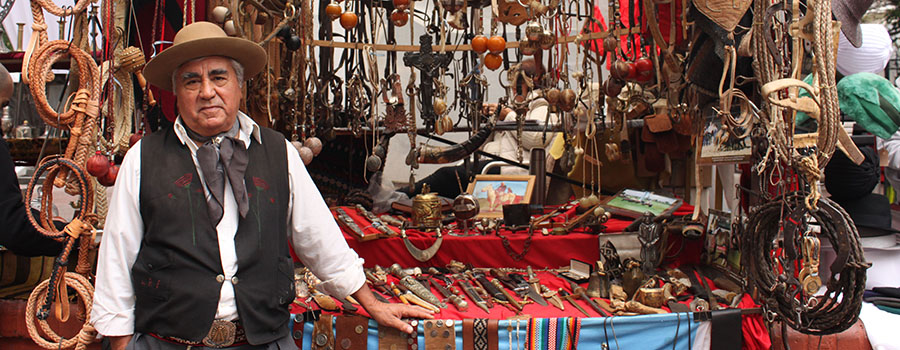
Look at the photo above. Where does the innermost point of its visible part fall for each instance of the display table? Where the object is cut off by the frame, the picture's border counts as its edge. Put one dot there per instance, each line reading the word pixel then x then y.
pixel 658 331
pixel 486 250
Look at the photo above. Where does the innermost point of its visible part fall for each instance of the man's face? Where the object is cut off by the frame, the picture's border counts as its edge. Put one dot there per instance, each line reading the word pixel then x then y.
pixel 208 93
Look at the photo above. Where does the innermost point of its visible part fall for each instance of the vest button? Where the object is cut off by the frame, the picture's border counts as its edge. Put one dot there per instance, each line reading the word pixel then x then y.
pixel 346 343
pixel 220 278
pixel 234 280
pixel 359 329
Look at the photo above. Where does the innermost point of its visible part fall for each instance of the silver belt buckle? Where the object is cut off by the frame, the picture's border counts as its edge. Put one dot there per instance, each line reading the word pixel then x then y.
pixel 221 334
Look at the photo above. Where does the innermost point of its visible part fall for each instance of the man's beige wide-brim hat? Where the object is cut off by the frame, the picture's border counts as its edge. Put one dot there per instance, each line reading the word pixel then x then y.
pixel 201 39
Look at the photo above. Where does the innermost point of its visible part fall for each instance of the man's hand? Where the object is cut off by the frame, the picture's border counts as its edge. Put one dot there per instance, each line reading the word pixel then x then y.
pixel 388 314
pixel 120 342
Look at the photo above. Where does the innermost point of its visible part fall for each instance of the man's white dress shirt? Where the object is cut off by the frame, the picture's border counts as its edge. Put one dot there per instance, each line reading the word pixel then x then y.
pixel 316 238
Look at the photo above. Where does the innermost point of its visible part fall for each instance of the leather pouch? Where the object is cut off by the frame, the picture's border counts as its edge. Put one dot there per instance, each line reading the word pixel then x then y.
pixel 725 13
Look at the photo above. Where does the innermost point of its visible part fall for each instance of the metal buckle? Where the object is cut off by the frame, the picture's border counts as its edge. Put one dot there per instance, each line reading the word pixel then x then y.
pixel 221 334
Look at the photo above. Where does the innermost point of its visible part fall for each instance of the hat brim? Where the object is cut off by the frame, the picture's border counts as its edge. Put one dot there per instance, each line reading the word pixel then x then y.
pixel 249 54
pixel 849 24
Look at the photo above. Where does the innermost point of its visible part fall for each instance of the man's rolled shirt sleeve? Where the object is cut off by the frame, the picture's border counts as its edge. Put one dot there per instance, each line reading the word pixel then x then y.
pixel 316 237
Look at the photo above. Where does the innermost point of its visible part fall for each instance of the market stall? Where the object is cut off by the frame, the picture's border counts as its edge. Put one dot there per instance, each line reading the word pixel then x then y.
pixel 539 174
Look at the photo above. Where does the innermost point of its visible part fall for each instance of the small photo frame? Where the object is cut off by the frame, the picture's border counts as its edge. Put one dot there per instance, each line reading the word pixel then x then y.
pixel 495 191
pixel 718 146
pixel 634 203
pixel 722 246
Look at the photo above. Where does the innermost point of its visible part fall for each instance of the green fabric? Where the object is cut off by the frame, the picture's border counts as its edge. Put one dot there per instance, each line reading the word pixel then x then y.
pixel 892 310
pixel 870 100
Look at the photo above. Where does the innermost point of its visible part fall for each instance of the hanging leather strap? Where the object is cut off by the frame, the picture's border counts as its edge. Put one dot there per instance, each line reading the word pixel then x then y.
pixel 468 333
pixel 390 338
pixel 726 330
pixel 439 335
pixel 493 340
pixel 351 332
pixel 322 336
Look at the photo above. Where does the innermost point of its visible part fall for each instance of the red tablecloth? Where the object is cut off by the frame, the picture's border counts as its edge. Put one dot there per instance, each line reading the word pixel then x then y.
pixel 487 250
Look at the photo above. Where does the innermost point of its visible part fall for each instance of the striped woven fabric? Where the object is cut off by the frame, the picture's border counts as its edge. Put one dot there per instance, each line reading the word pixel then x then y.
pixel 553 333
pixel 19 274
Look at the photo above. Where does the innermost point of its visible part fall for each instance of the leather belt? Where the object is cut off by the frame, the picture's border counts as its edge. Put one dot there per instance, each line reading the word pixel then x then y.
pixel 351 332
pixel 222 334
pixel 467 333
pixel 322 336
pixel 440 335
pixel 493 340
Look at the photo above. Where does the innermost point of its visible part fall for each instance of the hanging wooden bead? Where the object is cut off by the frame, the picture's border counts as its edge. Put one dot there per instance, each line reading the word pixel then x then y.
pixel 401 5
pixel 219 14
pixel 493 61
pixel 314 144
pixel 373 163
pixel 333 10
pixel 399 18
pixel 98 165
pixel 306 155
pixel 496 44
pixel 479 44
pixel 349 20
pixel 553 96
pixel 533 31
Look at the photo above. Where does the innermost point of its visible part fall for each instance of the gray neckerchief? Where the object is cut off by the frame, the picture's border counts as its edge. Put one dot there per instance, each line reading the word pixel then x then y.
pixel 220 155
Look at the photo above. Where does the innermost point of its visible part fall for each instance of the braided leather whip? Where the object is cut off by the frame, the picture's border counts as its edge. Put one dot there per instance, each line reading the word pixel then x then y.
pixel 54 291
pixel 81 116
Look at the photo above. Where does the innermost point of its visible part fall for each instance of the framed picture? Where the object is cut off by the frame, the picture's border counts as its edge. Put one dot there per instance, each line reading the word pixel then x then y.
pixel 722 246
pixel 634 203
pixel 718 146
pixel 495 191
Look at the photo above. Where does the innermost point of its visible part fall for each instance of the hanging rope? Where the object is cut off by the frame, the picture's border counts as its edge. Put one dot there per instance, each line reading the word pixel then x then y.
pixel 771 270
pixel 81 117
pixel 39 26
pixel 54 291
pixel 120 106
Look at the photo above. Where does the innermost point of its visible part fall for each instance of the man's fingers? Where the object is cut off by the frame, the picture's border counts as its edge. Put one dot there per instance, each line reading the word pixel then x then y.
pixel 417 312
pixel 399 324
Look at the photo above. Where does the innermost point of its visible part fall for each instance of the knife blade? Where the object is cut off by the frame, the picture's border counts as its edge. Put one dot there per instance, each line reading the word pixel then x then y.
pixel 472 294
pixel 553 297
pixel 568 297
pixel 526 289
pixel 579 291
pixel 512 301
pixel 490 287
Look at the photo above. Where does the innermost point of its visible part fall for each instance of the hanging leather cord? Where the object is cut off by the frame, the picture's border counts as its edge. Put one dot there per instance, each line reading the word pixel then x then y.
pixel 81 117
pixel 39 26
pixel 780 293
pixel 54 290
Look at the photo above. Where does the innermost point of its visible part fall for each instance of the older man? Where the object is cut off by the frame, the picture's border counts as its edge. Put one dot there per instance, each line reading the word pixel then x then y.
pixel 195 243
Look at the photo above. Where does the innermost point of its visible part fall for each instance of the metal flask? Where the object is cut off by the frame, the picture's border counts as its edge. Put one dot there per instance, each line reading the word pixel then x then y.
pixel 426 210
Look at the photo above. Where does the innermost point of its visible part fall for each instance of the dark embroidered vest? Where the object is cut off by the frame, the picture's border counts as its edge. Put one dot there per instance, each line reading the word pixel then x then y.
pixel 176 276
